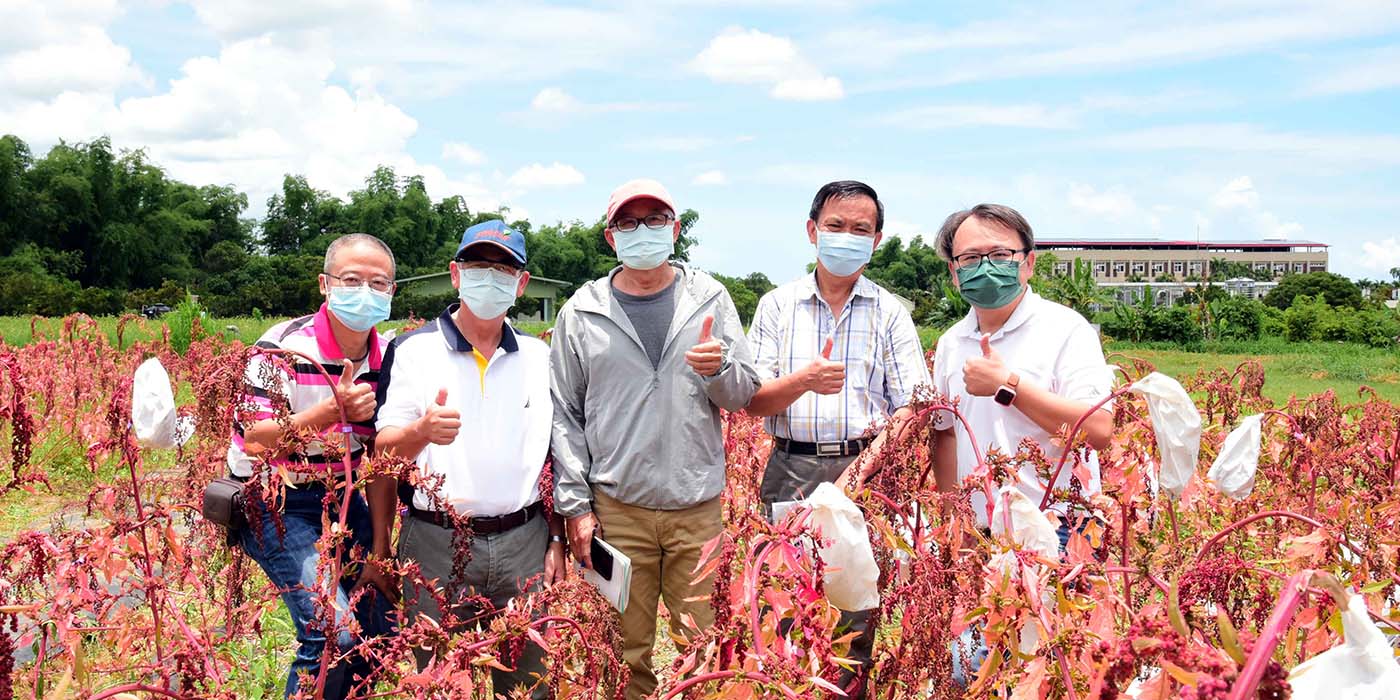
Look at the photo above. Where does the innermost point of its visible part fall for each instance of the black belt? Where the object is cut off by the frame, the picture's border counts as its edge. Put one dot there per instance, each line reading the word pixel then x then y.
pixel 488 525
pixel 840 448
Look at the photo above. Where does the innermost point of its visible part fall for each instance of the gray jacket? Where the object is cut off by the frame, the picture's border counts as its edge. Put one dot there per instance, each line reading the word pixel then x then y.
pixel 647 437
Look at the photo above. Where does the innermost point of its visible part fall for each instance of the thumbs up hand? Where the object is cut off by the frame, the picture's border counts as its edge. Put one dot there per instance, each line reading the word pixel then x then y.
pixel 707 355
pixel 984 375
pixel 357 399
pixel 824 376
pixel 439 424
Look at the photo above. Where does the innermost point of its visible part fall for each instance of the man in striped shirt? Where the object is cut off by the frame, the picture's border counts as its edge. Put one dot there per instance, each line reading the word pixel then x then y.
pixel 839 358
pixel 298 408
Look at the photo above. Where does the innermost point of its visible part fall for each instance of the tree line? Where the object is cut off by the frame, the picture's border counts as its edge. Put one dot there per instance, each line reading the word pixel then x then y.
pixel 87 228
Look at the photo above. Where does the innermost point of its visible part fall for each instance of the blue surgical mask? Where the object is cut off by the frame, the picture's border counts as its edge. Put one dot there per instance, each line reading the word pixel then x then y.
pixel 843 254
pixel 487 293
pixel 646 248
pixel 359 308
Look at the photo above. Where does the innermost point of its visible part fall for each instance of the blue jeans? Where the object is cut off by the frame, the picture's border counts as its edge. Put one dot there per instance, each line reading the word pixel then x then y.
pixel 976 648
pixel 291 563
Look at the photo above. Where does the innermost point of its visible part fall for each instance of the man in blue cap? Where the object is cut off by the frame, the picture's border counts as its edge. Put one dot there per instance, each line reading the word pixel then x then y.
pixel 467 397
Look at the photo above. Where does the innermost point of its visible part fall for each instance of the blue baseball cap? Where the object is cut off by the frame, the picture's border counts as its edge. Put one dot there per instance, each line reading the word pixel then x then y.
pixel 497 233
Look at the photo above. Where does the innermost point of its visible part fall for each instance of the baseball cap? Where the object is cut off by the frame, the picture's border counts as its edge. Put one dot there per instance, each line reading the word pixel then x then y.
pixel 641 188
pixel 497 233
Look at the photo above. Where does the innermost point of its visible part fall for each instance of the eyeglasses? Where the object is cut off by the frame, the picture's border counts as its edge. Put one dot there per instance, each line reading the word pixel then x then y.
pixel 503 268
pixel 653 222
pixel 998 255
pixel 378 284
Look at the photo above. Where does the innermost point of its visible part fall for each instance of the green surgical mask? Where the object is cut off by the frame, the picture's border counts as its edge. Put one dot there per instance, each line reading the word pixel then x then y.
pixel 990 285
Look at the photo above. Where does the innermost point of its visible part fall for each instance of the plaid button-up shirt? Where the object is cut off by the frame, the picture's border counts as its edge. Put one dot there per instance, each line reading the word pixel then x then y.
pixel 875 338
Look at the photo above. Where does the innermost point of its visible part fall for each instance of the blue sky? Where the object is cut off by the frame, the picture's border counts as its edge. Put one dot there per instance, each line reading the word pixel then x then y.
pixel 1237 119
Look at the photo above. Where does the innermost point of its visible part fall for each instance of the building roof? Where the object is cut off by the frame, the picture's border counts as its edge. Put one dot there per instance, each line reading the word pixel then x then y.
pixel 1164 244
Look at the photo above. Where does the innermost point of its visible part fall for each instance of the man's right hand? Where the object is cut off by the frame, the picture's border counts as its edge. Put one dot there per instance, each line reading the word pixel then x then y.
pixel 439 425
pixel 580 528
pixel 825 376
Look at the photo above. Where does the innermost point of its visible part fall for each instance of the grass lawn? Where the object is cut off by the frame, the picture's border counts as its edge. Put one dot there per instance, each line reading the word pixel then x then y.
pixel 1301 369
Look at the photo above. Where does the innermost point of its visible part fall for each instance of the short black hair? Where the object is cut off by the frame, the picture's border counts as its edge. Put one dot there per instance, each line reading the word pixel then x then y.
pixel 845 189
pixel 999 213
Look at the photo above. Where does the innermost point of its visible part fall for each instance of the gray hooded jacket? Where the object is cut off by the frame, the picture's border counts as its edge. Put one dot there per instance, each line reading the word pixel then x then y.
pixel 647 437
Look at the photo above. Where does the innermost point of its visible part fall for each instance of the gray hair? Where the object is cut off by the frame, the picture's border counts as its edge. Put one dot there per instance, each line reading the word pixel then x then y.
pixel 998 213
pixel 353 239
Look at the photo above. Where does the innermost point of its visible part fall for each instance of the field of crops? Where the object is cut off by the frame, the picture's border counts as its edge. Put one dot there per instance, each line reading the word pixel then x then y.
pixel 1173 590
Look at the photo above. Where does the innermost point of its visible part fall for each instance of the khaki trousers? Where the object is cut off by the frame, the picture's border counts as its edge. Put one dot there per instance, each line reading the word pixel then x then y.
pixel 665 547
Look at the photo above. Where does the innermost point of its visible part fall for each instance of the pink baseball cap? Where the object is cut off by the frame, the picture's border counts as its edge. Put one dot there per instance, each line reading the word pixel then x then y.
pixel 641 188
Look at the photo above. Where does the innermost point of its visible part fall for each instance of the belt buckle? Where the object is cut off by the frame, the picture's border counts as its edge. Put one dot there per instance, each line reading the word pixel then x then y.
pixel 830 449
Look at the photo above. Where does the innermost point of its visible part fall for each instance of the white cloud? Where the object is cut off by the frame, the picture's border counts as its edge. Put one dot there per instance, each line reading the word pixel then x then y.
pixel 552 105
pixel 1239 194
pixel 710 177
pixel 246 117
pixel 1113 203
pixel 751 57
pixel 462 153
pixel 907 230
pixel 539 175
pixel 1381 255
pixel 813 89
pixel 553 99
pixel 1351 150
pixel 1359 72
pixel 1027 116
pixel 1112 38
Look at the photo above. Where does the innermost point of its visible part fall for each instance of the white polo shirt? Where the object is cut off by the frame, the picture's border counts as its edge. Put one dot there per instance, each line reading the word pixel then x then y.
pixel 1047 344
pixel 494 465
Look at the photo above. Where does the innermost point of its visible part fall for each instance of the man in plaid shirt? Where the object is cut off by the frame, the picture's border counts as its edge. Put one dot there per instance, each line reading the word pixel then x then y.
pixel 839 358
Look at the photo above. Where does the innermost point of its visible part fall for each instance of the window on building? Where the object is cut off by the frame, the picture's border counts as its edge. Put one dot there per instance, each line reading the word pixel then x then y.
pixel 1062 268
pixel 1299 267
pixel 1139 268
pixel 1195 267
pixel 1100 269
pixel 1178 267
pixel 1158 268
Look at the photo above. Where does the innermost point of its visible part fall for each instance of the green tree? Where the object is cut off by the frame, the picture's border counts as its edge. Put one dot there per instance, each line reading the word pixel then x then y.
pixel 1331 287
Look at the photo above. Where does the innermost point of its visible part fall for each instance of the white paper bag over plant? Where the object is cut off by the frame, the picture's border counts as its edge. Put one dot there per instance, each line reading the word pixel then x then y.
pixel 153 407
pixel 1031 530
pixel 1362 667
pixel 1235 466
pixel 1178 426
pixel 852 577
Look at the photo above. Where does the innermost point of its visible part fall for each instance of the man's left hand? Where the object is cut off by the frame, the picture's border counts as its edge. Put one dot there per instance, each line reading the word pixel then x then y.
pixel 554 563
pixel 707 355
pixel 374 574
pixel 984 375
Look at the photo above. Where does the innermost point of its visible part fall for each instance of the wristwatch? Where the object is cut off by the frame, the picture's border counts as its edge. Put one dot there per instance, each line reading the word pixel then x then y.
pixel 1006 393
pixel 556 538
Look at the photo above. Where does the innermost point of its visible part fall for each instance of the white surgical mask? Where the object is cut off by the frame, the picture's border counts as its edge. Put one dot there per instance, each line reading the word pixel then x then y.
pixel 488 293
pixel 646 248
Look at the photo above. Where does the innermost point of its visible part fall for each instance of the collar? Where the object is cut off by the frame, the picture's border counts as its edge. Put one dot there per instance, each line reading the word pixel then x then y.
pixel 452 335
pixel 1024 309
pixel 863 287
pixel 330 349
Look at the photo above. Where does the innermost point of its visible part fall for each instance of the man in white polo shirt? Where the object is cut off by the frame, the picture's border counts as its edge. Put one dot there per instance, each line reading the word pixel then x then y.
pixel 468 396
pixel 1018 365
pixel 1021 366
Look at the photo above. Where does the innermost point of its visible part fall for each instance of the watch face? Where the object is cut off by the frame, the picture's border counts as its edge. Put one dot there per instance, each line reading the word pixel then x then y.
pixel 1004 396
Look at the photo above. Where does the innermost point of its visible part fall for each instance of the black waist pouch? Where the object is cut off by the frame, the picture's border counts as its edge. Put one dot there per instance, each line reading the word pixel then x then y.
pixel 223 505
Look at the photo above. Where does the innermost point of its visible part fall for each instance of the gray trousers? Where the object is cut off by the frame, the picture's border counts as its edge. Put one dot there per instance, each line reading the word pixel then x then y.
pixel 790 477
pixel 499 567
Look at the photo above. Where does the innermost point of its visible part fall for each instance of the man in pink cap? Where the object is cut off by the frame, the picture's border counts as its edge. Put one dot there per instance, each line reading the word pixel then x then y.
pixel 641 363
